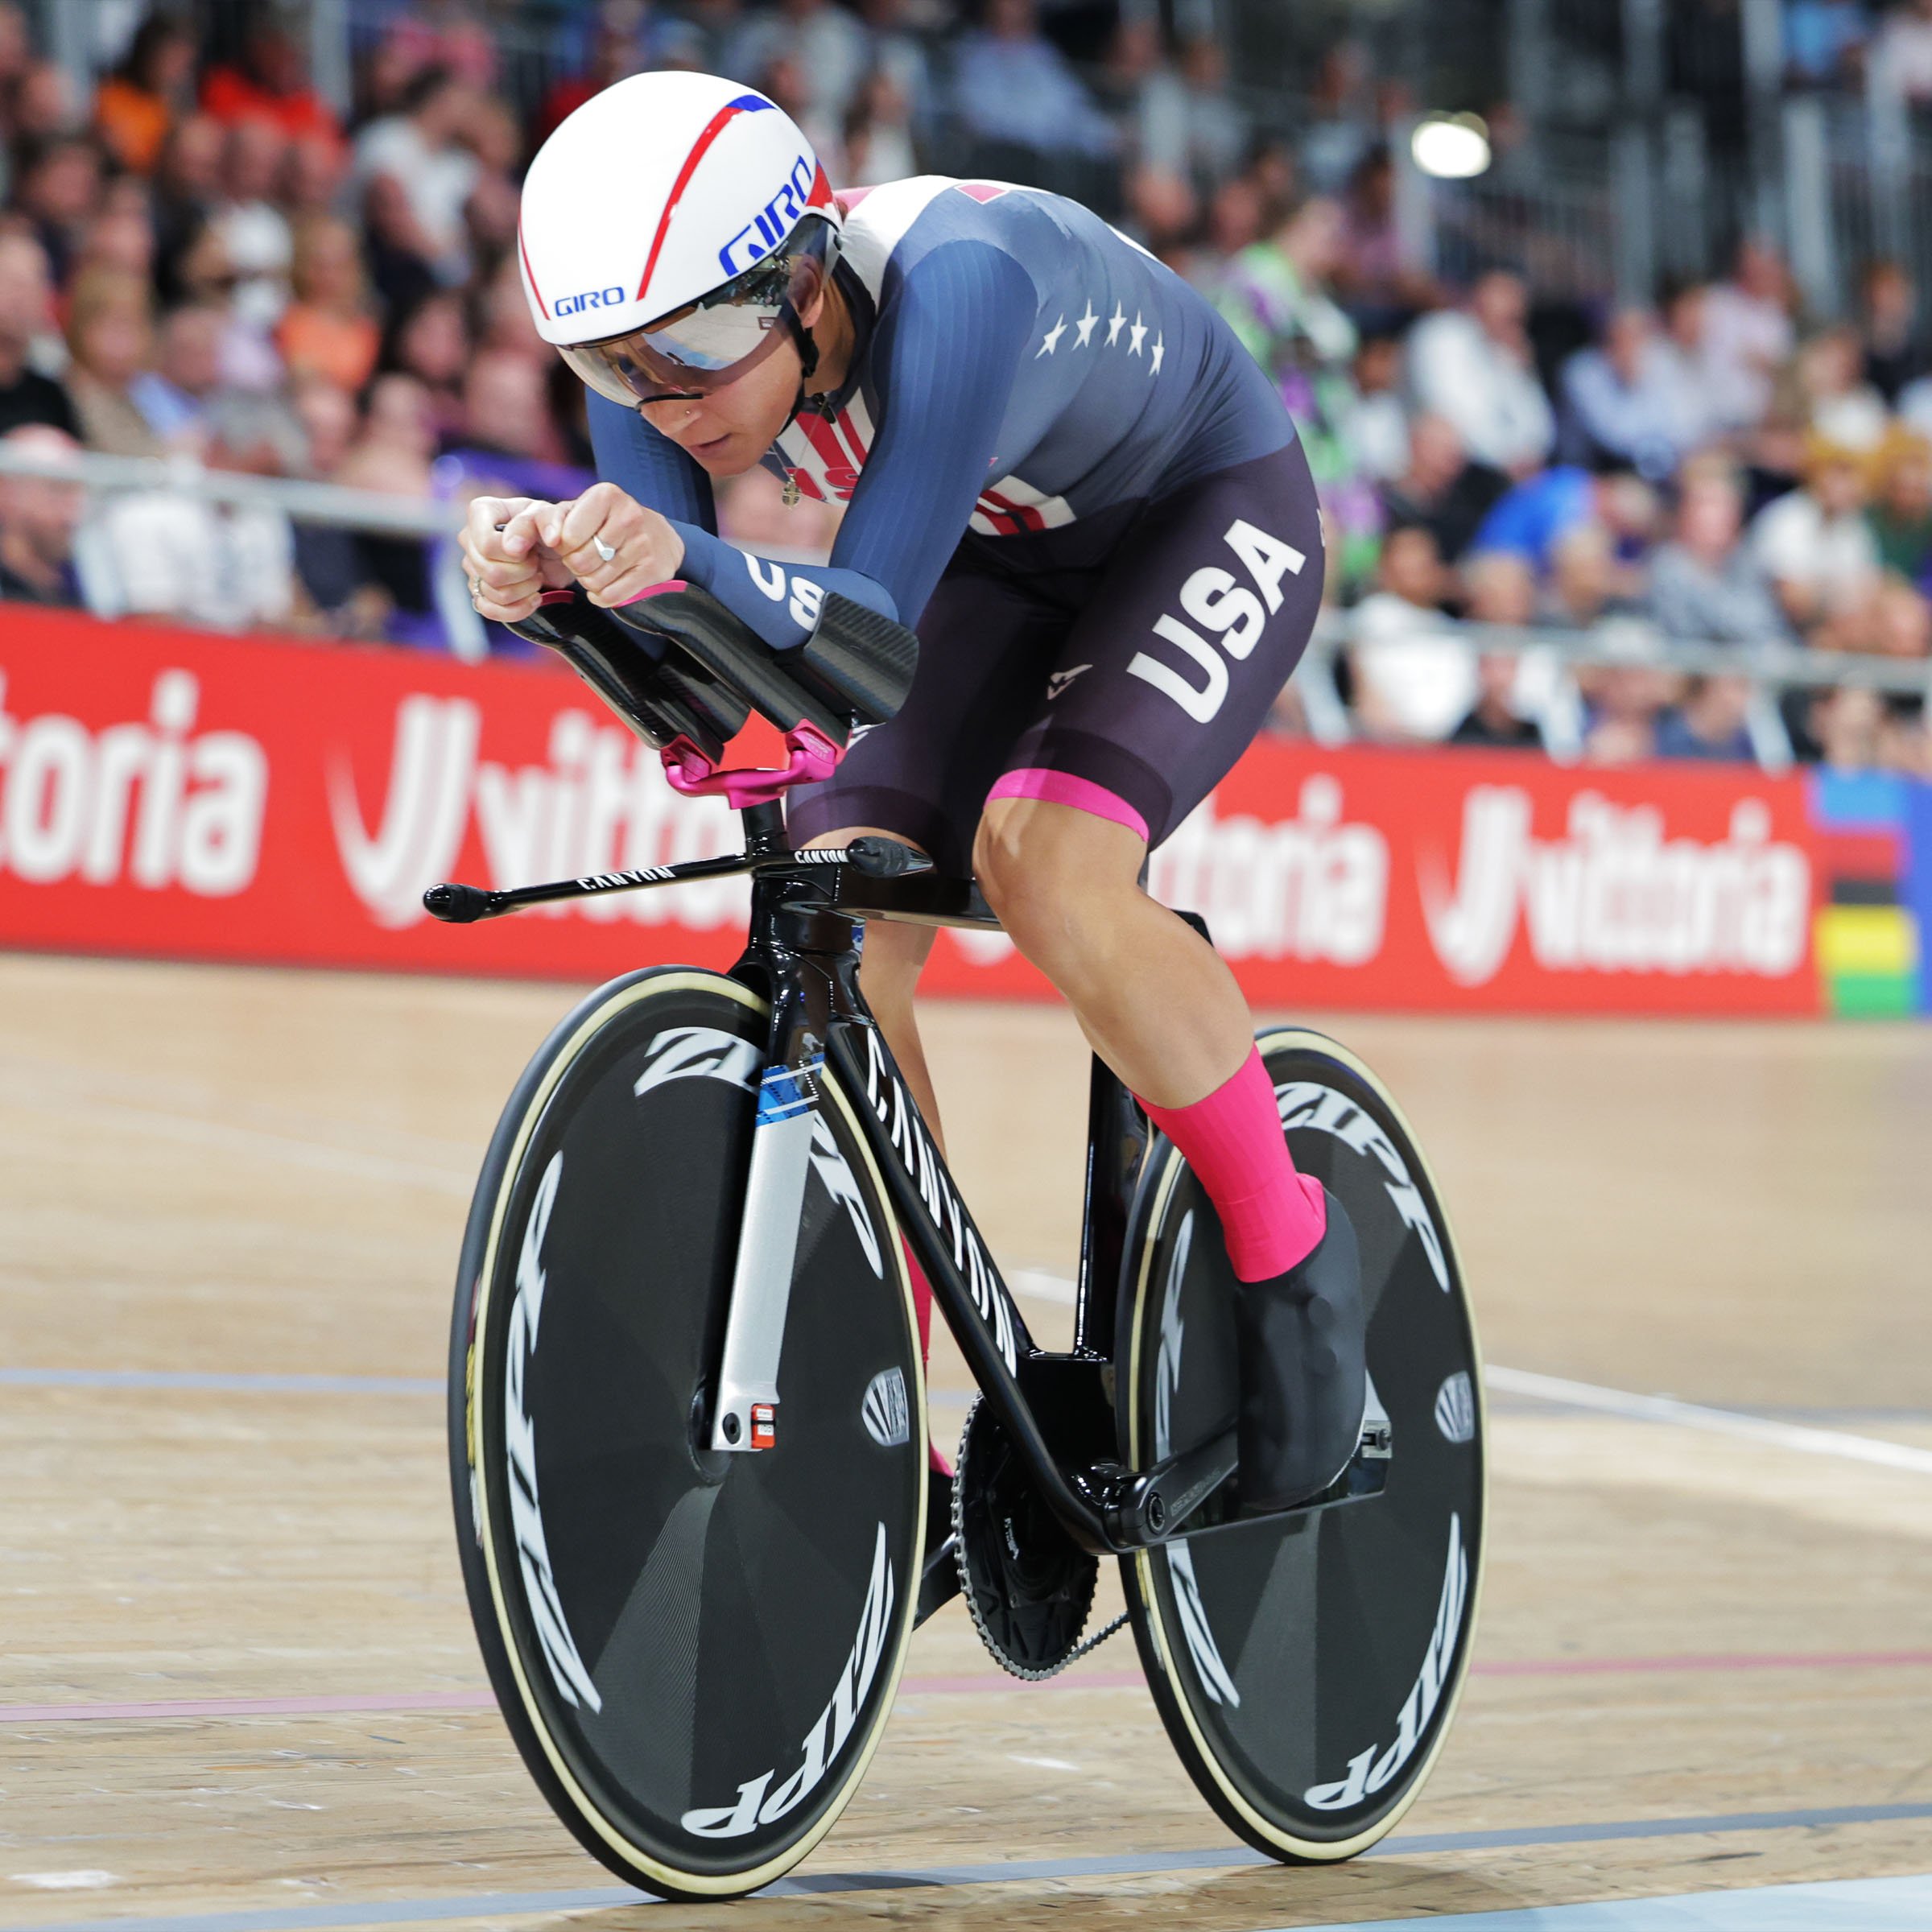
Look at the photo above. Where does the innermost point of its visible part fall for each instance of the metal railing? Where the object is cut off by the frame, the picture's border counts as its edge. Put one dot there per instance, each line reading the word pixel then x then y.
pixel 1769 669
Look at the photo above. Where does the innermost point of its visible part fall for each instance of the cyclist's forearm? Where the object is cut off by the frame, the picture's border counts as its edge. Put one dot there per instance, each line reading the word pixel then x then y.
pixel 779 600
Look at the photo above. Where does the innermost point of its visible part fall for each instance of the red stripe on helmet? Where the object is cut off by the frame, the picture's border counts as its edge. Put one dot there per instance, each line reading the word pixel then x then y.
pixel 529 271
pixel 713 128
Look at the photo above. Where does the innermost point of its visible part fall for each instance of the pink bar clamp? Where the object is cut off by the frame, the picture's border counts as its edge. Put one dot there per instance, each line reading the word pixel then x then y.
pixel 813 757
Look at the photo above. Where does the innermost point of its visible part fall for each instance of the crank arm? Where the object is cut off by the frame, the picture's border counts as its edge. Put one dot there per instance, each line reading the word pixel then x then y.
pixel 1148 1506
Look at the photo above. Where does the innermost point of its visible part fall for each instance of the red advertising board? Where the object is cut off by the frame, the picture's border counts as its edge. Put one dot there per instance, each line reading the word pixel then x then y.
pixel 163 792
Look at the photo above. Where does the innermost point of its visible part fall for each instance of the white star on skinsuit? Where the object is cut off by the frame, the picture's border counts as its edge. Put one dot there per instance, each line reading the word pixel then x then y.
pixel 1053 338
pixel 1139 332
pixel 1085 325
pixel 1114 322
pixel 1160 348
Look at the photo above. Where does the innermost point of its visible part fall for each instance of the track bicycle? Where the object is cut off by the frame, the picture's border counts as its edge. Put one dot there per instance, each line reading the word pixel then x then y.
pixel 689 1418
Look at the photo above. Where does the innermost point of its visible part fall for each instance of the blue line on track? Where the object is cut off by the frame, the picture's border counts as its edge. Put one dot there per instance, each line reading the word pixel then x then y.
pixel 510 1904
pixel 1845 1905
pixel 221 1383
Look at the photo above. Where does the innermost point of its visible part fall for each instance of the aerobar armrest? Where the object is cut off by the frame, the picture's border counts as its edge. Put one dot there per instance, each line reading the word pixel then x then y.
pixel 663 701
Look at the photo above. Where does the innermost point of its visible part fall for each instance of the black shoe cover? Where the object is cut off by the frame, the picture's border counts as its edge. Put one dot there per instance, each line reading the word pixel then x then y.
pixel 1303 1374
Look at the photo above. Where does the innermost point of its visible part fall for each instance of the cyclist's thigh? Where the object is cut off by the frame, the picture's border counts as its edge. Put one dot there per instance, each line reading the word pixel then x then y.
pixel 1168 673
pixel 922 774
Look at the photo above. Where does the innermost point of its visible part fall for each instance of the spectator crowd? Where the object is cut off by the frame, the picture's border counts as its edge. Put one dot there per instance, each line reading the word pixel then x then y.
pixel 204 263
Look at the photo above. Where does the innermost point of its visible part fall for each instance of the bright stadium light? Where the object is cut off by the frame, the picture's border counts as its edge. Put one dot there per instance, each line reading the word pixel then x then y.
pixel 1452 147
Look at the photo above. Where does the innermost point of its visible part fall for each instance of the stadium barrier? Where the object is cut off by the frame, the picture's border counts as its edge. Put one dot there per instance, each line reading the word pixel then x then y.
pixel 170 794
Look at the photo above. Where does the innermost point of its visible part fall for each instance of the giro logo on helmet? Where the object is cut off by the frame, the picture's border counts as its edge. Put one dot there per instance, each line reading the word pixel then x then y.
pixel 593 298
pixel 774 222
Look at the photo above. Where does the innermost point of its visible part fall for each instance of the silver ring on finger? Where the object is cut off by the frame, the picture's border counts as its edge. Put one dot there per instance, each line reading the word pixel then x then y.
pixel 605 552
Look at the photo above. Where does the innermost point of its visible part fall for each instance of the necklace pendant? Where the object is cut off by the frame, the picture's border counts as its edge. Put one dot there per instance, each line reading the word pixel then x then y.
pixel 791 492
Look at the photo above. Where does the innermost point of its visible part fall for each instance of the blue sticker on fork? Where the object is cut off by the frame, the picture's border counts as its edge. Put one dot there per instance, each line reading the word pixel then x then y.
pixel 785 1091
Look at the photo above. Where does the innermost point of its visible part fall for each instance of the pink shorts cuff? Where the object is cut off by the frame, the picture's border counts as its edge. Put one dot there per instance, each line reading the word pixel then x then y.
pixel 1063 788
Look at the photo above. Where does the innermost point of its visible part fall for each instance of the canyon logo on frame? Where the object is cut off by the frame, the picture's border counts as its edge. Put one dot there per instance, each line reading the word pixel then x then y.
pixel 168 793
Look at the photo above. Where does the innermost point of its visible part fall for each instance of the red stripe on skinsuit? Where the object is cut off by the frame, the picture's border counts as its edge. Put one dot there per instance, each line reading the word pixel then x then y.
pixel 712 129
pixel 1023 514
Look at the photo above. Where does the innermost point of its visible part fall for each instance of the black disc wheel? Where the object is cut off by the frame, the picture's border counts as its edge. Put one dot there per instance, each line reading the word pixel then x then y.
pixel 1308 1666
pixel 695 1652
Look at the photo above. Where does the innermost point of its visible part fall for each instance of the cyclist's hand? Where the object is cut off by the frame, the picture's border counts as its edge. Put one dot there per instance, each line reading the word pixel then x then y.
pixel 506 559
pixel 643 548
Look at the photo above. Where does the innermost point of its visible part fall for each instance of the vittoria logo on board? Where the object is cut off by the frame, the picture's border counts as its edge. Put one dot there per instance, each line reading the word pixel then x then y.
pixel 149 801
pixel 1615 894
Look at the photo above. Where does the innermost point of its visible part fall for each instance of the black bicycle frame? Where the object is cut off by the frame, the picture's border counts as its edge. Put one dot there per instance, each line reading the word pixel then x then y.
pixel 801 956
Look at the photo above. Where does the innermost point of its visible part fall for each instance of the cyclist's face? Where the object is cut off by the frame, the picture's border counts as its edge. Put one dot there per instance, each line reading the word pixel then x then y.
pixel 730 428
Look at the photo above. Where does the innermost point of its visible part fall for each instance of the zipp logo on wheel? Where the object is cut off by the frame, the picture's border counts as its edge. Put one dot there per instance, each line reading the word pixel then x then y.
pixel 826 1738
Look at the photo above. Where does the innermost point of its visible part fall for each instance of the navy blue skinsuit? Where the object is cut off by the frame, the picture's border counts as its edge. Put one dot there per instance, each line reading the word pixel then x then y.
pixel 1063 468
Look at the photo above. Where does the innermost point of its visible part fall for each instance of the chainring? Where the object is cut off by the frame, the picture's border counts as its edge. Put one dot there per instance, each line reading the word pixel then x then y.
pixel 1028 1585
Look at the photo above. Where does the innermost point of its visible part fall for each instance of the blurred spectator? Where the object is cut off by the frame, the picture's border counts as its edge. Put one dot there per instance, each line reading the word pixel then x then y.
pixel 1441 488
pixel 825 43
pixel 269 84
pixel 1833 400
pixel 154 85
pixel 506 408
pixel 1013 85
pixel 1706 585
pixel 626 39
pixel 1376 428
pixel 1185 120
pixel 187 183
pixel 1892 355
pixel 416 177
pixel 1276 296
pixel 1584 586
pixel 255 232
pixel 38 519
pixel 1748 334
pixel 110 343
pixel 1340 129
pixel 25 313
pixel 1903 53
pixel 1823 40
pixel 1494 721
pixel 173 396
pixel 1622 705
pixel 1383 287
pixel 328 558
pixel 1624 402
pixel 1473 365
pixel 1709 722
pixel 1539 512
pixel 1902 515
pixel 328 330
pixel 1414 678
pixel 441 33
pixel 429 341
pixel 393 454
pixel 1814 543
pixel 226 566
pixel 878 142
pixel 1680 348
pixel 58 189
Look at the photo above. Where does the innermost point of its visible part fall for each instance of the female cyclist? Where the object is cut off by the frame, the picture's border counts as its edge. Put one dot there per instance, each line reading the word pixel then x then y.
pixel 1060 465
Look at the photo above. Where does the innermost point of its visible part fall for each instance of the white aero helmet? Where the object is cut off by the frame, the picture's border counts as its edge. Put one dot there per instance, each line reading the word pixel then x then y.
pixel 671 229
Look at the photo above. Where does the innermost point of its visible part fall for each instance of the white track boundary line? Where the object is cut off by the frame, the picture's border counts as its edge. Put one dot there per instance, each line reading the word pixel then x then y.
pixel 1716 1421
pixel 1040 1285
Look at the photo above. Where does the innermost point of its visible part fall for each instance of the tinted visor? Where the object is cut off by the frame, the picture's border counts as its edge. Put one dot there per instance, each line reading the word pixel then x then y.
pixel 706 345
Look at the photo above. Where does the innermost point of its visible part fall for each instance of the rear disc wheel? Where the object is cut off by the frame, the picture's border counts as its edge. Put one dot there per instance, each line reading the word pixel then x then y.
pixel 1307 1666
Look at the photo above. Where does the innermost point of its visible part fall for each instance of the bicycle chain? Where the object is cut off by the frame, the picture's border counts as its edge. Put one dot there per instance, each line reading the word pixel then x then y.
pixel 972 1606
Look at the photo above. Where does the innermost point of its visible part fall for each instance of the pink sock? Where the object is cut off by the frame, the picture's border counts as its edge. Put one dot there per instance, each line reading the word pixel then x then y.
pixel 1271 1216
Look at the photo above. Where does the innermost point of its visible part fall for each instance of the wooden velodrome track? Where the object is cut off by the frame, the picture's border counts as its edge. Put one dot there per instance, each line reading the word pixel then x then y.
pixel 239 1687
